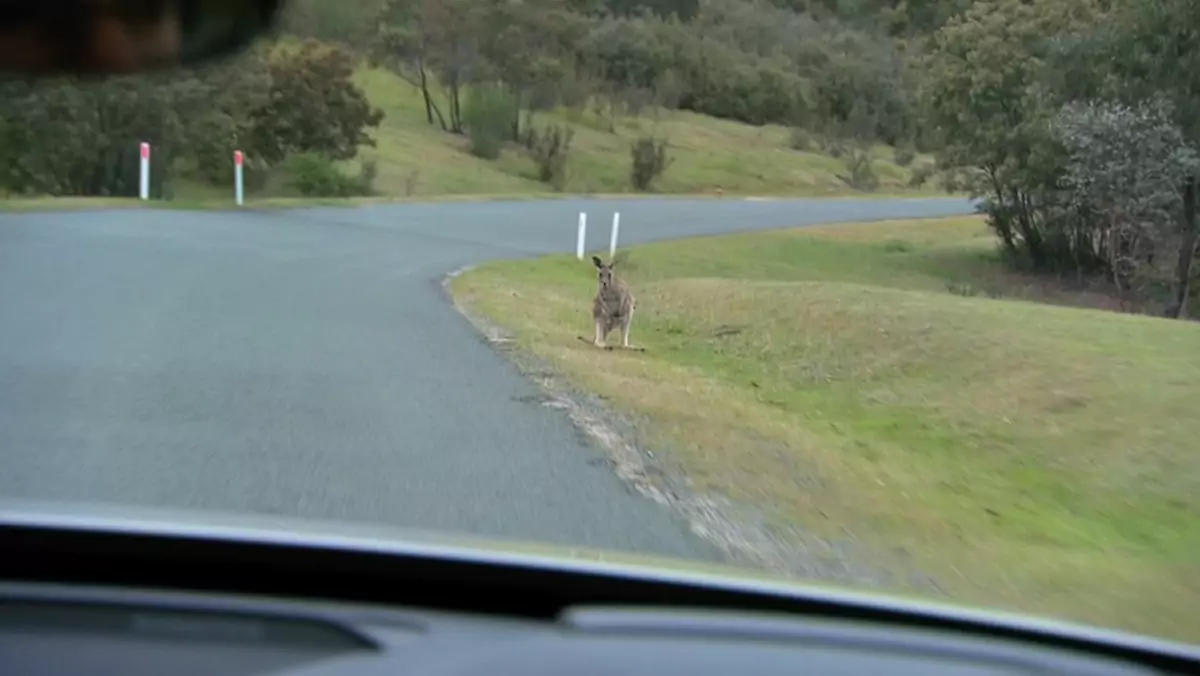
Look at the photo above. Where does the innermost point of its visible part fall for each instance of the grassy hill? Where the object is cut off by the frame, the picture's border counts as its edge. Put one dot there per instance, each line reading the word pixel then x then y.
pixel 893 384
pixel 711 156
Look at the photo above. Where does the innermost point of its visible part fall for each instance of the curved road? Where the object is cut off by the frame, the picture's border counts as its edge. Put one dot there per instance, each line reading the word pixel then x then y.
pixel 304 363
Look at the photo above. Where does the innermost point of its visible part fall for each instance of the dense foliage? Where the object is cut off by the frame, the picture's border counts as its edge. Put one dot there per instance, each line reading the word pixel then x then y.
pixel 1077 122
pixel 81 137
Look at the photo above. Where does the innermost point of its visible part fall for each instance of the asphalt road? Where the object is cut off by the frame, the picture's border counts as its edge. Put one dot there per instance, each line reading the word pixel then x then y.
pixel 305 363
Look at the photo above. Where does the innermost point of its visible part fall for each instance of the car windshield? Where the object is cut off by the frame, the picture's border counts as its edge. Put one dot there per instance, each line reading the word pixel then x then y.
pixel 893 296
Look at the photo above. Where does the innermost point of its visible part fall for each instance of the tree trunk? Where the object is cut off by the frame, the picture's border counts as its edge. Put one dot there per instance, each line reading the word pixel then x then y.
pixel 425 94
pixel 516 120
pixel 456 122
pixel 1187 252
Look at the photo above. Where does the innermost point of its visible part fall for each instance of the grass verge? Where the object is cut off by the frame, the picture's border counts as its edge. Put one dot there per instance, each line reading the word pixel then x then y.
pixel 20 204
pixel 50 203
pixel 891 382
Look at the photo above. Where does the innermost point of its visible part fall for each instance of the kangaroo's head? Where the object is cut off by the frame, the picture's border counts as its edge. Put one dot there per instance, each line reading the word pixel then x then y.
pixel 604 271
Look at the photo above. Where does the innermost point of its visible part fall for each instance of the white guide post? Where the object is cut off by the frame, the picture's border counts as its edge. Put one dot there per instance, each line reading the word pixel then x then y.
pixel 582 236
pixel 144 173
pixel 612 240
pixel 239 191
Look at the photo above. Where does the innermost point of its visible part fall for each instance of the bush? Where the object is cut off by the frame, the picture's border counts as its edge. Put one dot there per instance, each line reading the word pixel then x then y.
pixel 920 176
pixel 549 149
pixel 860 175
pixel 904 155
pixel 316 175
pixel 649 161
pixel 488 115
pixel 312 104
pixel 833 147
pixel 800 139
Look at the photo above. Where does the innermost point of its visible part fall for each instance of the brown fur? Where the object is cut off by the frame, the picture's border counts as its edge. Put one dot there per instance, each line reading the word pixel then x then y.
pixel 613 305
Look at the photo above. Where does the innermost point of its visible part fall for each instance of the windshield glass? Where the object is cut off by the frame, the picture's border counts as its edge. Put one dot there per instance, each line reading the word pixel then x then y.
pixel 888 296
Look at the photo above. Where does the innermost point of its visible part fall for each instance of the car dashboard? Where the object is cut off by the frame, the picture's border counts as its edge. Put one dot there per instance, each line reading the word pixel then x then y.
pixel 97 631
pixel 129 599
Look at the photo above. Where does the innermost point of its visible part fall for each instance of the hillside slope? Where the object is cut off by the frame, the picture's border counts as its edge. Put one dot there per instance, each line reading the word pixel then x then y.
pixel 711 156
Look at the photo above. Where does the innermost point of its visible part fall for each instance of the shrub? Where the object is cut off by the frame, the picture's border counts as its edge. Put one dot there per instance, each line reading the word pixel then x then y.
pixel 316 175
pixel 488 115
pixel 860 175
pixel 649 161
pixel 549 149
pixel 800 139
pixel 920 176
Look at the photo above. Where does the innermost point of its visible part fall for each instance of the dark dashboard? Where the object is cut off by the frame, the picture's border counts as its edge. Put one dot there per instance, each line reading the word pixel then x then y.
pixel 64 630
pixel 100 598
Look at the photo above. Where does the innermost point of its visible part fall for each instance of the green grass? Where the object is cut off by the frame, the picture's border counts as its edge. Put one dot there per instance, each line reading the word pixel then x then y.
pixel 890 379
pixel 711 155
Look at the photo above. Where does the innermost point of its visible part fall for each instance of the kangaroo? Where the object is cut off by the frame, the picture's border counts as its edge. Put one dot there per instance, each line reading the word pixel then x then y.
pixel 613 306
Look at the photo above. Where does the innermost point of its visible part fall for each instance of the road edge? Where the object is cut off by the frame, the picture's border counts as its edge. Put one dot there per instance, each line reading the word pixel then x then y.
pixel 56 205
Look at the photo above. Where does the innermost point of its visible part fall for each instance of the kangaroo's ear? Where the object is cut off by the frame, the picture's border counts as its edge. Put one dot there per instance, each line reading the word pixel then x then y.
pixel 596 260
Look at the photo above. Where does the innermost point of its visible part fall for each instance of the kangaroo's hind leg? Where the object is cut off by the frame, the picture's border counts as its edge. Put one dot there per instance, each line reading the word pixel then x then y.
pixel 626 324
pixel 598 341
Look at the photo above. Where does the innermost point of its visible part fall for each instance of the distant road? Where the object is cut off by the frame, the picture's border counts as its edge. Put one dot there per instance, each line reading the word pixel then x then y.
pixel 304 363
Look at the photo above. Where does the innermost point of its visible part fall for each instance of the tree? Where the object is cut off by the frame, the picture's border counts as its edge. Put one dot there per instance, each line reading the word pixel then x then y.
pixel 526 46
pixel 529 48
pixel 313 104
pixel 988 116
pixel 350 23
pixel 1153 49
pixel 426 40
pixel 1126 168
